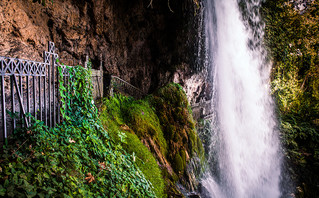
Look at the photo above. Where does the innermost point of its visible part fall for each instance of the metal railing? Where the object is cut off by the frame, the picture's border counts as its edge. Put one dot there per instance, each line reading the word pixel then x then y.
pixel 119 85
pixel 30 87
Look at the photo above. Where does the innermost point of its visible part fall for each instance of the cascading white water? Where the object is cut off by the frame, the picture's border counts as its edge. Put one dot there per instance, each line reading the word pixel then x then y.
pixel 248 150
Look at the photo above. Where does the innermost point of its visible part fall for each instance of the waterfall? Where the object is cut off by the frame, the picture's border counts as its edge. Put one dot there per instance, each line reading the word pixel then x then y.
pixel 247 151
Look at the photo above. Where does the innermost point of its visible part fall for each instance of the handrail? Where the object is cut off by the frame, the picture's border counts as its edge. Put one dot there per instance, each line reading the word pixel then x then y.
pixel 124 87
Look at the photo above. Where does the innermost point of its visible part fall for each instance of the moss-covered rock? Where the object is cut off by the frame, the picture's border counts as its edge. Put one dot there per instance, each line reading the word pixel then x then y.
pixel 117 118
pixel 175 116
pixel 163 122
pixel 146 162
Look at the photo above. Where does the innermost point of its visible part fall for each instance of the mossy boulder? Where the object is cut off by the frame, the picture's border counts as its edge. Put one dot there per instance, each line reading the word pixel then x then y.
pixel 117 119
pixel 159 130
pixel 176 118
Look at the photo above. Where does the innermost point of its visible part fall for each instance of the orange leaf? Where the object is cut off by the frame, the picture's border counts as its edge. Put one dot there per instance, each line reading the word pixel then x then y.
pixel 89 178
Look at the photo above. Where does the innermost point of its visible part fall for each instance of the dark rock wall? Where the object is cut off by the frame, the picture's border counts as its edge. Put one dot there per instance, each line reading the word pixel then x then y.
pixel 146 45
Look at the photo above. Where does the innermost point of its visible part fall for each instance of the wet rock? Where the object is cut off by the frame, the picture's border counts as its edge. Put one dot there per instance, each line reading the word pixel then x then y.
pixel 193 195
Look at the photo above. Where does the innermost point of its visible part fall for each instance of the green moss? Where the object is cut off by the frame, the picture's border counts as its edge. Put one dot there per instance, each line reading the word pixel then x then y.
pixel 175 116
pixel 179 164
pixel 142 119
pixel 200 147
pixel 183 156
pixel 146 162
pixel 141 122
pixel 165 119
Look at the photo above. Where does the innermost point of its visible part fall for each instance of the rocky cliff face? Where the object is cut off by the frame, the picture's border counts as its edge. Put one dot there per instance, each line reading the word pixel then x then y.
pixel 146 44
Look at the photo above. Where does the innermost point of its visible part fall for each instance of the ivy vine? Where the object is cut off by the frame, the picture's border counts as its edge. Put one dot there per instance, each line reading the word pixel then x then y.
pixel 75 159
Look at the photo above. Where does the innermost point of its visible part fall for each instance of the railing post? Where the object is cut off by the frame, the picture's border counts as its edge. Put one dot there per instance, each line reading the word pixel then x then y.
pixel 100 77
pixel 13 102
pixel 4 116
pixel 86 62
pixel 20 100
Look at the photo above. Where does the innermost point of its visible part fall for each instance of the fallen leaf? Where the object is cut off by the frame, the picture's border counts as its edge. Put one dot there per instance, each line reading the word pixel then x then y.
pixel 71 141
pixel 102 164
pixel 125 127
pixel 89 178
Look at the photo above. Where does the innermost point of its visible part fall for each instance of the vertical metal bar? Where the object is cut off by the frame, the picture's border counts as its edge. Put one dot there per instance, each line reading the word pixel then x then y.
pixel 49 89
pixel 28 95
pixel 53 81
pixel 4 116
pixel 58 93
pixel 34 97
pixel 98 85
pixel 40 98
pixel 66 93
pixel 20 100
pixel 45 100
pixel 21 91
pixel 45 61
pixel 69 94
pixel 13 103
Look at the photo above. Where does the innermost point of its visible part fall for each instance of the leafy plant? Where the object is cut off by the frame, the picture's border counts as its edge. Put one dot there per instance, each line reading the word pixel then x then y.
pixel 75 159
pixel 292 41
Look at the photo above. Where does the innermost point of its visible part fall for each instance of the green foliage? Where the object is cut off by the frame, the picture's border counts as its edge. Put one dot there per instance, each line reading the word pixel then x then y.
pixel 204 132
pixel 293 43
pixel 74 159
pixel 286 87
